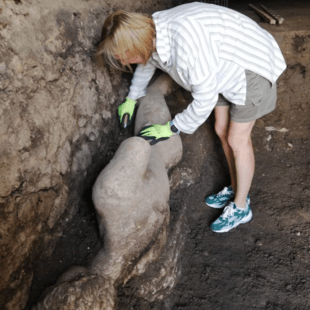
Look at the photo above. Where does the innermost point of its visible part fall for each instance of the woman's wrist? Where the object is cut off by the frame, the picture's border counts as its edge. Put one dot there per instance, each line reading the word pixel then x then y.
pixel 174 129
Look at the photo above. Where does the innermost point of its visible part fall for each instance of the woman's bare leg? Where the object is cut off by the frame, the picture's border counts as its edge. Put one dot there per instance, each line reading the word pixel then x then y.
pixel 222 123
pixel 239 140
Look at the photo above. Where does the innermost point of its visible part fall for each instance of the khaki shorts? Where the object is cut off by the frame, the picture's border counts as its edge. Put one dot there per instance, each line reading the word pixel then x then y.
pixel 260 100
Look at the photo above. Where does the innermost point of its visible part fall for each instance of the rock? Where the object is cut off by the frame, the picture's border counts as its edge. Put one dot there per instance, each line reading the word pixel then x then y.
pixel 131 197
pixel 82 122
pixel 106 114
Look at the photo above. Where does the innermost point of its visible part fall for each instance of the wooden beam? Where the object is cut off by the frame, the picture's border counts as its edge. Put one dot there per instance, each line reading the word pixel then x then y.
pixel 276 16
pixel 264 15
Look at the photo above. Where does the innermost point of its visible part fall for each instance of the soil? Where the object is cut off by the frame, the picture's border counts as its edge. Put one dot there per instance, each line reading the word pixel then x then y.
pixel 264 264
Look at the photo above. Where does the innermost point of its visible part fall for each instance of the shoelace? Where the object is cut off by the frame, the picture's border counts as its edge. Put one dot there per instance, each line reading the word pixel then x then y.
pixel 223 192
pixel 228 211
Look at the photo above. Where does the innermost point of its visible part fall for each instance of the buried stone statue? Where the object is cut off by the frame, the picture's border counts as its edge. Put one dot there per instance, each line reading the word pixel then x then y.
pixel 131 199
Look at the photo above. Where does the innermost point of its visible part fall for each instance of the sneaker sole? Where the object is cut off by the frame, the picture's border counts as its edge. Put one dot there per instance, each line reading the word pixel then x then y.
pixel 247 219
pixel 215 206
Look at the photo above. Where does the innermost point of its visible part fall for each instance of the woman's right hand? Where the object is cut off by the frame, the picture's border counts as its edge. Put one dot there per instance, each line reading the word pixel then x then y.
pixel 125 112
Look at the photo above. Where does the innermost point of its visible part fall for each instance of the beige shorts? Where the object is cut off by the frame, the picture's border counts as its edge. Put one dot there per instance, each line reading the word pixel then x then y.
pixel 260 100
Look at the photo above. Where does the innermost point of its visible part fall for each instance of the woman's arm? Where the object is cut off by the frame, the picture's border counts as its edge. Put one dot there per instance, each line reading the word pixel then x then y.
pixel 205 98
pixel 140 80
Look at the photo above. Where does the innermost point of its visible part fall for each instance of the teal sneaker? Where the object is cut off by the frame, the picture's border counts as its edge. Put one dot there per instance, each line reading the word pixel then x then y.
pixel 232 217
pixel 220 199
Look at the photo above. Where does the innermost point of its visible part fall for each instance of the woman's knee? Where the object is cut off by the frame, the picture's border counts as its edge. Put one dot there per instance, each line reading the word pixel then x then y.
pixel 239 136
pixel 221 131
pixel 239 142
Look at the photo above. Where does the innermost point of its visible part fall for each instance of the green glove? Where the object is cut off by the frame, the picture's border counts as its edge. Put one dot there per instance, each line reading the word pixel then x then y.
pixel 156 133
pixel 128 108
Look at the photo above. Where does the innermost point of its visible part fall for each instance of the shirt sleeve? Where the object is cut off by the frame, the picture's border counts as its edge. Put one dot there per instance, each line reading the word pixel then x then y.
pixel 197 60
pixel 140 80
pixel 205 98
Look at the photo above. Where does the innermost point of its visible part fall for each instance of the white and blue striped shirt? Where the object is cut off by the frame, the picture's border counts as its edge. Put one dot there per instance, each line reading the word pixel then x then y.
pixel 206 48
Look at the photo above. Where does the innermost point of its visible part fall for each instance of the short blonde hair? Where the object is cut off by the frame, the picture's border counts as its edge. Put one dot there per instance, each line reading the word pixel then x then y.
pixel 123 32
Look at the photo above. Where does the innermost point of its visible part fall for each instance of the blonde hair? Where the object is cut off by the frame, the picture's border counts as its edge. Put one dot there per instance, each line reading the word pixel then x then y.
pixel 123 32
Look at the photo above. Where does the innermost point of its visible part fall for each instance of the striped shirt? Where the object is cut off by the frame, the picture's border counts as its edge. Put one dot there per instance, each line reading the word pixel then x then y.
pixel 206 49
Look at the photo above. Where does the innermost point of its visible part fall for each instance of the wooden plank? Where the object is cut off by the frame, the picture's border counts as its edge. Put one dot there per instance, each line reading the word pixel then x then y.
pixel 276 16
pixel 264 15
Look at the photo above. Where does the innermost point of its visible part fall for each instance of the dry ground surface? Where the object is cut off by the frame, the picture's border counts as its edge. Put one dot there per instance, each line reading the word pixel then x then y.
pixel 264 264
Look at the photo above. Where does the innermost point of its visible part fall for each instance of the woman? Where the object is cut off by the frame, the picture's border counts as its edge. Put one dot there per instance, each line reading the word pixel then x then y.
pixel 228 63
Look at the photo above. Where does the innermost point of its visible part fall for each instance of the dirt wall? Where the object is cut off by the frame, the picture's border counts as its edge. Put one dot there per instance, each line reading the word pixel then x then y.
pixel 57 120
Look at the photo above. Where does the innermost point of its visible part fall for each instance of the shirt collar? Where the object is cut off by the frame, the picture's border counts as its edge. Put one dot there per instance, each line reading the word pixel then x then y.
pixel 162 40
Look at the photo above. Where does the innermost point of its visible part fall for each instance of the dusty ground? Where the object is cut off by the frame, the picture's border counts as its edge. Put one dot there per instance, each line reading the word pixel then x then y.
pixel 264 264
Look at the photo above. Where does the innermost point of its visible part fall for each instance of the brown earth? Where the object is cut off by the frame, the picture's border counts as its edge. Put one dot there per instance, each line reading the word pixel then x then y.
pixel 264 264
